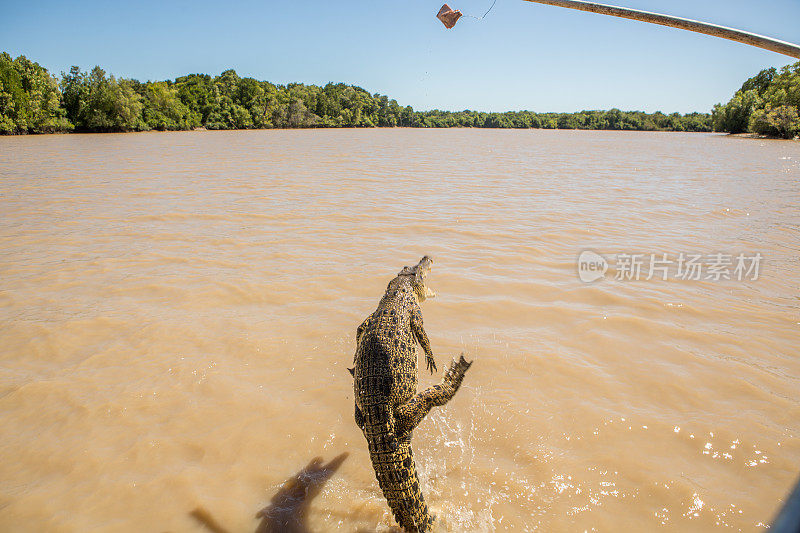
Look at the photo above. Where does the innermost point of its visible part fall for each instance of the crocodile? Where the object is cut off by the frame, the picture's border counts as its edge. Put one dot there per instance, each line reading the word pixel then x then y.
pixel 387 406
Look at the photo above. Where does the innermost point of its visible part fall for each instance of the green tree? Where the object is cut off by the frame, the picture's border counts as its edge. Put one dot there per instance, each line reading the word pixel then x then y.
pixel 567 121
pixel 30 100
pixel 95 102
pixel 198 93
pixel 163 109
pixel 734 116
pixel 768 104
pixel 782 121
pixel 760 81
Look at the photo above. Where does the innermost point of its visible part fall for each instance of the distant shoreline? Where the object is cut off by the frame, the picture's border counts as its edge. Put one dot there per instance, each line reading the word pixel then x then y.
pixel 98 102
pixel 384 128
pixel 760 136
pixel 754 136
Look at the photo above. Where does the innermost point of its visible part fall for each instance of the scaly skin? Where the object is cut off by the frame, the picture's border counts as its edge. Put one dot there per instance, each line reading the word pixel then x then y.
pixel 388 407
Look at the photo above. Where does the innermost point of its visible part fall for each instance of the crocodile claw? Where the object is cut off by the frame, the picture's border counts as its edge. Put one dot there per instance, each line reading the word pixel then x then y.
pixel 431 364
pixel 455 373
pixel 452 379
pixel 458 367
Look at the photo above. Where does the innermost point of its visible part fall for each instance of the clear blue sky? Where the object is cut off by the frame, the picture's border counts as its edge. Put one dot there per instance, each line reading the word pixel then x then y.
pixel 521 56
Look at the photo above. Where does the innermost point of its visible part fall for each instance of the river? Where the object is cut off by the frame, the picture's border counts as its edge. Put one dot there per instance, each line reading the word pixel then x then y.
pixel 178 312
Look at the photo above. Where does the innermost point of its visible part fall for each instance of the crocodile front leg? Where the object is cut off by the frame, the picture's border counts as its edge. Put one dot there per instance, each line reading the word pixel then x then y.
pixel 422 337
pixel 410 414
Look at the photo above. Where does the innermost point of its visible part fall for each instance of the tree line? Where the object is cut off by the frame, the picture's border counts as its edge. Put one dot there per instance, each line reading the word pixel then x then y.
pixel 34 101
pixel 767 104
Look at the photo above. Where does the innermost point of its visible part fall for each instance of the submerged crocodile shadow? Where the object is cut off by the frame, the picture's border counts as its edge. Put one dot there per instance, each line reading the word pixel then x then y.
pixel 287 510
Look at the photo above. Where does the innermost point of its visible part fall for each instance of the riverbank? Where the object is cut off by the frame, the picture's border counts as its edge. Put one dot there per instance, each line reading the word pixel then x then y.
pixel 759 136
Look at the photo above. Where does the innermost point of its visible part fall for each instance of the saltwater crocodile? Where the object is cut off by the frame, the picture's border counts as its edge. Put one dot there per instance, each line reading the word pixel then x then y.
pixel 388 407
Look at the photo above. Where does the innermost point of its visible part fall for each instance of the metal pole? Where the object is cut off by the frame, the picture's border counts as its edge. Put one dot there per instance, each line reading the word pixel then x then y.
pixel 768 43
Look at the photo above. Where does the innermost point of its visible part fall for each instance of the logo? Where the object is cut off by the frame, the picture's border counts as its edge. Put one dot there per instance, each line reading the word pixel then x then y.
pixel 591 266
pixel 626 266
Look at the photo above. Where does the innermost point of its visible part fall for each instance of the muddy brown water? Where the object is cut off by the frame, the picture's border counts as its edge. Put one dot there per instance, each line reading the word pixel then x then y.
pixel 177 313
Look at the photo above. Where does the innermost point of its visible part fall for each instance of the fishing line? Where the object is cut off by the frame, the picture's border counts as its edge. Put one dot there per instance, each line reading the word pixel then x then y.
pixel 484 15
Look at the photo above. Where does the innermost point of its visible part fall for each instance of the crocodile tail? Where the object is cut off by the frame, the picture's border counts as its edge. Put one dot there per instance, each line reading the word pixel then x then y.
pixel 397 477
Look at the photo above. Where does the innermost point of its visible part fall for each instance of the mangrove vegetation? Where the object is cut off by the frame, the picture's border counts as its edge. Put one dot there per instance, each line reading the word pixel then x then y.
pixel 767 104
pixel 32 100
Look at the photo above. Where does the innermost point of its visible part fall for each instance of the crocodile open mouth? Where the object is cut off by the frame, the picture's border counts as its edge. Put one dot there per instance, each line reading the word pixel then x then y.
pixel 428 267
